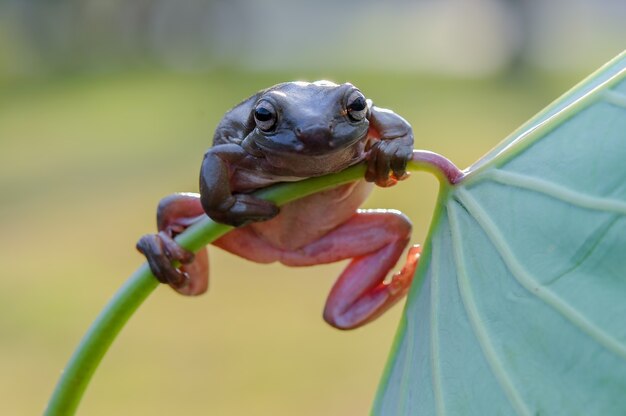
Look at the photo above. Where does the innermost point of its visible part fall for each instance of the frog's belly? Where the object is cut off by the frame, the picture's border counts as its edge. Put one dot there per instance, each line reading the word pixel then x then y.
pixel 306 220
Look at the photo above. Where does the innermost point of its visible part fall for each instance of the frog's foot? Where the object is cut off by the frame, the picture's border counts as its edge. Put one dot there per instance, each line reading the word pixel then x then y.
pixel 175 213
pixel 162 251
pixel 400 282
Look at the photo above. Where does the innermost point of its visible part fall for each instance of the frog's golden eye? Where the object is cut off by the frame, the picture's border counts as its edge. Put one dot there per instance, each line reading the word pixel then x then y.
pixel 356 106
pixel 265 115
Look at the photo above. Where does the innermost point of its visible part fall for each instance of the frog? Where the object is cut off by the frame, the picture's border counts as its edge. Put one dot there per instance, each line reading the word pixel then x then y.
pixel 286 133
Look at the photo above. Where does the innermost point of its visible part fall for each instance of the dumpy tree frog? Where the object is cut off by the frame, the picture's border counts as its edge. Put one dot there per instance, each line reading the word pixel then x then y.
pixel 290 132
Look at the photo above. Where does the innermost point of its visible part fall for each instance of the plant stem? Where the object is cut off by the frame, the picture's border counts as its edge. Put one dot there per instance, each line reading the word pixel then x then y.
pixel 436 164
pixel 97 340
pixel 94 345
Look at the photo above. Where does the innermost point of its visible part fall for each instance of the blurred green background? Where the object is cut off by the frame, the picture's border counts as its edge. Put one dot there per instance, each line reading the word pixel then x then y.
pixel 105 107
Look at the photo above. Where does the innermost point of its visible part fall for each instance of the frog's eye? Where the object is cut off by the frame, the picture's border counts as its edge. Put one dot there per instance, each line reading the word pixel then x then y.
pixel 265 116
pixel 356 106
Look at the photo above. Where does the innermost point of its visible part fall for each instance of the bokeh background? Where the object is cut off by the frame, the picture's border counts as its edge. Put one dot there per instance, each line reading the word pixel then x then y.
pixel 105 107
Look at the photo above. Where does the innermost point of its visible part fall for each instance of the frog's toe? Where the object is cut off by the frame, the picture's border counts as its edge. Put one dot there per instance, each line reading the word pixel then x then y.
pixel 247 209
pixel 399 161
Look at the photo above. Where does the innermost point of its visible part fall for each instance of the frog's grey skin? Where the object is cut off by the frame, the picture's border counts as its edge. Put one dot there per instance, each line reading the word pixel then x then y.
pixel 290 132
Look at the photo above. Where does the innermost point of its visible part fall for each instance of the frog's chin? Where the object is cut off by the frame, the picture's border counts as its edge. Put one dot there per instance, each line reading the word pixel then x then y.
pixel 305 164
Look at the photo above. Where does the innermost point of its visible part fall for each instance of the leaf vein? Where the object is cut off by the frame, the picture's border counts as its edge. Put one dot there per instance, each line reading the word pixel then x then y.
pixel 407 373
pixel 434 332
pixel 556 191
pixel 527 281
pixel 478 327
pixel 615 98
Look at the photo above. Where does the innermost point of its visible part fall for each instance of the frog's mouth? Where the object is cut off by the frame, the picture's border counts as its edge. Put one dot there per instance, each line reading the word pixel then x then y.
pixel 304 163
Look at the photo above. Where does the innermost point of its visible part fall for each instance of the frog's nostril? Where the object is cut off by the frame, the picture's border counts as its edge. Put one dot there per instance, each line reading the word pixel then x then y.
pixel 313 134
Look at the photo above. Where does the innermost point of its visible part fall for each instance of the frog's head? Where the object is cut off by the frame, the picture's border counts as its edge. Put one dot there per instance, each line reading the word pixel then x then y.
pixel 313 119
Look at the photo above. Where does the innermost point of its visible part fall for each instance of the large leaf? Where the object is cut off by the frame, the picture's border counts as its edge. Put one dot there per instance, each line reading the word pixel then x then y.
pixel 519 305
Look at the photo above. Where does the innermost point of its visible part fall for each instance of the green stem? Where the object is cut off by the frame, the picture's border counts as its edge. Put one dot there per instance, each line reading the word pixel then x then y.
pixel 85 360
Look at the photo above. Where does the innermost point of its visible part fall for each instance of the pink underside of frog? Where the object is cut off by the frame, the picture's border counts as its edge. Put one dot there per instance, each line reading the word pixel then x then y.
pixel 322 228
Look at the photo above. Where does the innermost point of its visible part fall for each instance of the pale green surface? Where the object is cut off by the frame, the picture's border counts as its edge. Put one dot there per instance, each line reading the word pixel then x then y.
pixel 520 303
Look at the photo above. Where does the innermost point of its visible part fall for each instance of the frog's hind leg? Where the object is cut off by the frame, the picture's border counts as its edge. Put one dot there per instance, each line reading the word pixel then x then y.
pixel 373 239
pixel 174 214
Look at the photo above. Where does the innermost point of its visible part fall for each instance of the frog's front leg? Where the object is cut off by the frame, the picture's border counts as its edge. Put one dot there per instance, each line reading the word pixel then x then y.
pixel 216 193
pixel 374 239
pixel 174 214
pixel 392 148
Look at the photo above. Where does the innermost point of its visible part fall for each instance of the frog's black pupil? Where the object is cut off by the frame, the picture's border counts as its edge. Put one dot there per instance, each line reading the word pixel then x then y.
pixel 358 104
pixel 263 114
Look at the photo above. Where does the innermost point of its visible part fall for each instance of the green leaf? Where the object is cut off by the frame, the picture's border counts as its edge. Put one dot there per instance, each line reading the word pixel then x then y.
pixel 519 305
